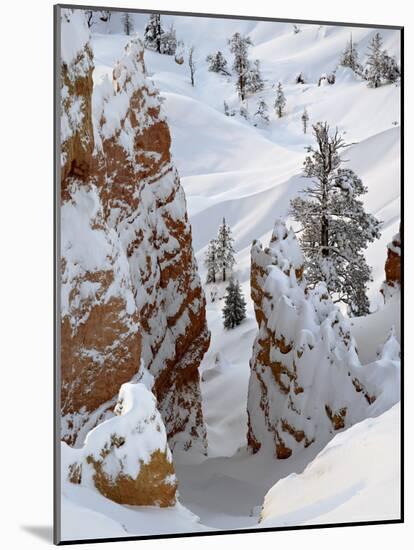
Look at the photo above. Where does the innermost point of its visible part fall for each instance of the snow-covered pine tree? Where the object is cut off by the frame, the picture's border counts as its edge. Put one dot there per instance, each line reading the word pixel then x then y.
pixel 262 111
pixel 239 46
pixel 375 61
pixel 224 249
pixel 254 80
pixel 280 101
pixel 210 261
pixel 128 23
pixel 305 120
pixel 192 64
pixel 153 33
pixel 217 63
pixel 335 229
pixel 391 71
pixel 349 57
pixel 169 41
pixel 234 311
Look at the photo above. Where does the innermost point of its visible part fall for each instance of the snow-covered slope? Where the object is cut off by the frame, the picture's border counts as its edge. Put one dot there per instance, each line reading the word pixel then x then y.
pixel 228 167
pixel 344 483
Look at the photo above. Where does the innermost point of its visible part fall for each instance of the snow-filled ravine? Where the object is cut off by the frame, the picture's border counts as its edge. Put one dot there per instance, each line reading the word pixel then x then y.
pixel 229 167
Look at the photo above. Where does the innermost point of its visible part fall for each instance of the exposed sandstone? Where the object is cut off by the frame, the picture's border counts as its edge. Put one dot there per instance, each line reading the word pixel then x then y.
pixel 392 283
pixel 306 380
pixel 127 457
pixel 119 149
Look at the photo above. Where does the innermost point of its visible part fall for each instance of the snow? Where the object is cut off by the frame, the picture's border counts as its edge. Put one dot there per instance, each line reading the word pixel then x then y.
pixel 74 34
pixel 355 478
pixel 87 245
pixel 138 423
pixel 230 168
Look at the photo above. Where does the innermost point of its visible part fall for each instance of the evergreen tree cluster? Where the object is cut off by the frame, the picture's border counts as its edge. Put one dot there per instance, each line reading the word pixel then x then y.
pixel 248 76
pixel 157 39
pixel 234 311
pixel 219 258
pixel 217 63
pixel 381 68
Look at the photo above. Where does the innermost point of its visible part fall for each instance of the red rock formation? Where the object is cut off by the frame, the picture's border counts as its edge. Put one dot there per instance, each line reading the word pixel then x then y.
pixel 306 381
pixel 393 263
pixel 127 457
pixel 121 150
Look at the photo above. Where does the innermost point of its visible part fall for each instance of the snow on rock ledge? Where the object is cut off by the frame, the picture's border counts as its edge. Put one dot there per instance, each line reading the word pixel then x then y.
pixel 127 457
pixel 116 147
pixel 344 483
pixel 306 379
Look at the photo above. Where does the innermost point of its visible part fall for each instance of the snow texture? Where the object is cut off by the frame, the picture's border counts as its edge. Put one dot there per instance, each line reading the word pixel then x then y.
pixel 249 175
pixel 355 478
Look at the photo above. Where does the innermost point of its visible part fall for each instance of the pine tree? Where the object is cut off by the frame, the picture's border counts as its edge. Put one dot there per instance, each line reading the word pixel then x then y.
pixel 335 229
pixel 375 61
pixel 349 57
pixel 153 33
pixel 234 311
pixel 128 23
pixel 262 111
pixel 225 250
pixel 390 69
pixel 305 120
pixel 280 101
pixel 254 80
pixel 168 42
pixel 210 261
pixel 192 64
pixel 381 67
pixel 217 63
pixel 239 46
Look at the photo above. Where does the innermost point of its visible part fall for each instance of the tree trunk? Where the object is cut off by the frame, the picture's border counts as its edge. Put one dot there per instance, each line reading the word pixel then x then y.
pixel 324 222
pixel 224 274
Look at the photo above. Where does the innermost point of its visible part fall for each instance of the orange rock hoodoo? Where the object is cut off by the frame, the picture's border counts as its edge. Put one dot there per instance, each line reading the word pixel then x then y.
pixel 131 295
pixel 306 381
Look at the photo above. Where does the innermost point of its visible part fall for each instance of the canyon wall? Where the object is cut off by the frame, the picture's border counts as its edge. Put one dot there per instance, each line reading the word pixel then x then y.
pixel 132 301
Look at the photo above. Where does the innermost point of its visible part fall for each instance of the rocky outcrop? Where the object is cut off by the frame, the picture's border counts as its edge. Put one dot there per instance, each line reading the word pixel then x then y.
pixel 306 380
pixel 127 457
pixel 116 155
pixel 392 281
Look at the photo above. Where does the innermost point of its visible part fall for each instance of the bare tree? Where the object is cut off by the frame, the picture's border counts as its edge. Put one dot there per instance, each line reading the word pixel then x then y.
pixel 192 64
pixel 89 17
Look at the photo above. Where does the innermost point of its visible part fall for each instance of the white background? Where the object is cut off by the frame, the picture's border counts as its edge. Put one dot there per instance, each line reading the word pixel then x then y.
pixel 26 282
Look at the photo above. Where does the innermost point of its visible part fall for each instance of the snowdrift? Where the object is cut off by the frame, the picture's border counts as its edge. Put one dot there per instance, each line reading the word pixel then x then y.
pixel 126 457
pixel 355 478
